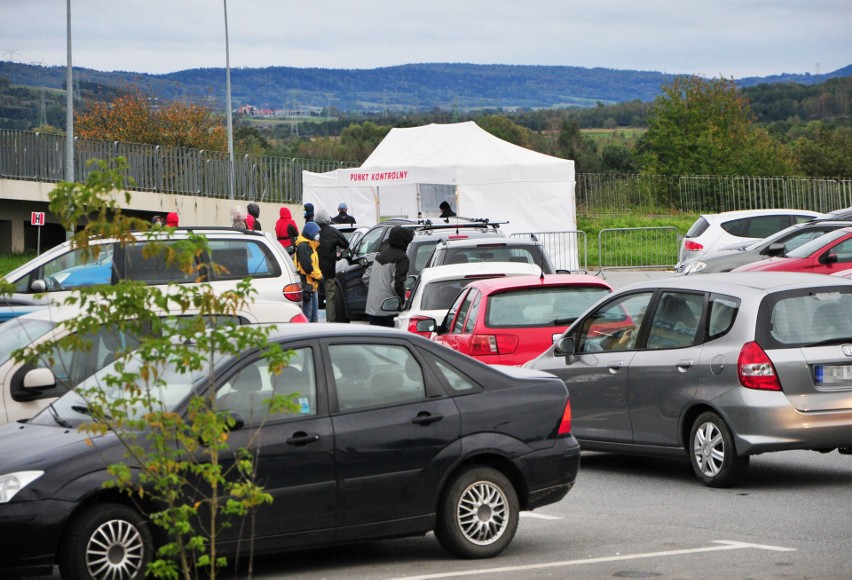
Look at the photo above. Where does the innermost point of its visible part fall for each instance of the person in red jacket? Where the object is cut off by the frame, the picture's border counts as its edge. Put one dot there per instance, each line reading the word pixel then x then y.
pixel 286 230
pixel 172 219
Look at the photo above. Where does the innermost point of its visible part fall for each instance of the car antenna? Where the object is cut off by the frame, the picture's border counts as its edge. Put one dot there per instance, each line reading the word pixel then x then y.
pixel 541 258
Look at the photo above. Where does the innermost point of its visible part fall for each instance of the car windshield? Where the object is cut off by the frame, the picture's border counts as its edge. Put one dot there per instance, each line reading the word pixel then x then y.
pixel 172 388
pixel 814 245
pixel 19 332
pixel 548 306
pixel 819 317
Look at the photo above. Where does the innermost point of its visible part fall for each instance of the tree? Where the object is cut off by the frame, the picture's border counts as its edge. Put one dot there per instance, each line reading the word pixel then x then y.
pixel 504 128
pixel 574 145
pixel 179 469
pixel 135 118
pixel 705 127
pixel 825 152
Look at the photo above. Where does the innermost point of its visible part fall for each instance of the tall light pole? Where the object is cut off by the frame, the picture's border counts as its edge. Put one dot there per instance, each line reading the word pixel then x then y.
pixel 69 108
pixel 231 184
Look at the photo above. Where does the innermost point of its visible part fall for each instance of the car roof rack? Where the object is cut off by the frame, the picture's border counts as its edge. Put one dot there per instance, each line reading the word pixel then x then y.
pixel 427 224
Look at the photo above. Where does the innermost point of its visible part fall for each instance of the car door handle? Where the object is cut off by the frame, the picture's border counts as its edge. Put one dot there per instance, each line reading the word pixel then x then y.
pixel 426 418
pixel 684 365
pixel 302 438
pixel 615 366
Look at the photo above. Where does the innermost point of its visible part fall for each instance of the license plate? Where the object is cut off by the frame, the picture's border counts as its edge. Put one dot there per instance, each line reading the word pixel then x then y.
pixel 833 375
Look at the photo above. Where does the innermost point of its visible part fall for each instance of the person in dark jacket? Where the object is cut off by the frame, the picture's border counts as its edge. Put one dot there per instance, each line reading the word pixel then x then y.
pixel 307 265
pixel 342 217
pixel 330 240
pixel 385 278
pixel 309 212
pixel 446 210
pixel 286 230
pixel 254 211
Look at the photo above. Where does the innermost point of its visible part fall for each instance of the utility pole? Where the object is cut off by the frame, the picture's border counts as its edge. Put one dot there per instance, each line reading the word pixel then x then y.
pixel 69 108
pixel 231 183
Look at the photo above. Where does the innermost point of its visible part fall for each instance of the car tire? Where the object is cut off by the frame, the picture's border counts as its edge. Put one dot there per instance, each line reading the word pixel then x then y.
pixel 107 541
pixel 339 306
pixel 713 454
pixel 478 514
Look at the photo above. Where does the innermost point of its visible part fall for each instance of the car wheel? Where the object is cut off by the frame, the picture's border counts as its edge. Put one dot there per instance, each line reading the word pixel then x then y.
pixel 713 454
pixel 111 541
pixel 339 306
pixel 478 514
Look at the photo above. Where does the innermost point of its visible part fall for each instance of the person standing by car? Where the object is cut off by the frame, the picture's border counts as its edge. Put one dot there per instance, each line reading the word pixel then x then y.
pixel 286 230
pixel 385 278
pixel 309 212
pixel 446 210
pixel 254 211
pixel 342 217
pixel 307 265
pixel 330 239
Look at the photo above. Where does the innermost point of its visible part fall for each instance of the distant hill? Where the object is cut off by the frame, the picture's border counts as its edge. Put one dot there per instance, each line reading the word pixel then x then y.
pixel 412 87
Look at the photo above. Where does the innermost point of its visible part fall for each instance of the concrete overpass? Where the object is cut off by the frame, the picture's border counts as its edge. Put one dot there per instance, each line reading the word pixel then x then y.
pixel 19 198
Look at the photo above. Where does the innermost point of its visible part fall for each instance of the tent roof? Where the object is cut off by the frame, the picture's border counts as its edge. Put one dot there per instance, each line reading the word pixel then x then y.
pixel 456 153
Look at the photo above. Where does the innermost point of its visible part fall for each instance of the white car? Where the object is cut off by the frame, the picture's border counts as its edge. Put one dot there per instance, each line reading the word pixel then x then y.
pixel 26 389
pixel 438 286
pixel 57 272
pixel 711 232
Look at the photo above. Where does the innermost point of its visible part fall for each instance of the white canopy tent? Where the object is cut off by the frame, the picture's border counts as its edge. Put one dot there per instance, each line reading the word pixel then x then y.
pixel 412 170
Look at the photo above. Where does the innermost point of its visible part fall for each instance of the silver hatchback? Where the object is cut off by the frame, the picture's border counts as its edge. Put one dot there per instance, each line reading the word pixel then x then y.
pixel 717 367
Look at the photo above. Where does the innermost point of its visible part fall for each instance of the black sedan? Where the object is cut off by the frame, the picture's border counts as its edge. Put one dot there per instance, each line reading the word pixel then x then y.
pixel 394 436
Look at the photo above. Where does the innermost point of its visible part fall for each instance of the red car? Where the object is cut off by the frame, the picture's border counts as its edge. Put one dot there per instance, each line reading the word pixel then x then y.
pixel 826 254
pixel 512 320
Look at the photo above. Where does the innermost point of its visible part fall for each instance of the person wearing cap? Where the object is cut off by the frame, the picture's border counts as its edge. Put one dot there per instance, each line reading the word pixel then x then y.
pixel 307 265
pixel 254 212
pixel 309 212
pixel 342 217
pixel 446 210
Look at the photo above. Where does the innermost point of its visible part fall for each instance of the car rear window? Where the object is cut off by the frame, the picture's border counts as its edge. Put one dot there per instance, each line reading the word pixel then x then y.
pixel 698 228
pixel 522 254
pixel 441 295
pixel 533 307
pixel 809 318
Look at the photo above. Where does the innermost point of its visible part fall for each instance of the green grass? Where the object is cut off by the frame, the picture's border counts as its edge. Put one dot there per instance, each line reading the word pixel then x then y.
pixel 9 262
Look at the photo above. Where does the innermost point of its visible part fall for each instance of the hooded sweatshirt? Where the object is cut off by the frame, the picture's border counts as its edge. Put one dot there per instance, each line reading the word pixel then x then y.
pixel 172 219
pixel 307 264
pixel 330 240
pixel 254 212
pixel 388 271
pixel 286 229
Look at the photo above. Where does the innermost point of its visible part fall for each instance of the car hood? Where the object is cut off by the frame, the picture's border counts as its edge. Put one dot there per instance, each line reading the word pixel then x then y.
pixel 24 446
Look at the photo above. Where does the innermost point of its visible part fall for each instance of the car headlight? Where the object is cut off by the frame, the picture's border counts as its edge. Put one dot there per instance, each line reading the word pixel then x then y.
pixel 12 483
pixel 694 267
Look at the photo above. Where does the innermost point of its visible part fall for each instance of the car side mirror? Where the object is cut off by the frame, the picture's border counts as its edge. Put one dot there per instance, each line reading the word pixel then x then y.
pixel 38 286
pixel 827 258
pixel 426 325
pixel 565 347
pixel 775 249
pixel 346 253
pixel 392 304
pixel 39 379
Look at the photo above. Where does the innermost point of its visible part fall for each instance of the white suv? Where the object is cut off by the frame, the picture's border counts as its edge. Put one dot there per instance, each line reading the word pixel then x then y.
pixel 711 232
pixel 243 253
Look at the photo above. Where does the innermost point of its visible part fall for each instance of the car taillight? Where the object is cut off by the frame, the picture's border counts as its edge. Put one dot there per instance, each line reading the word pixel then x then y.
pixel 293 292
pixel 412 325
pixel 299 318
pixel 565 424
pixel 755 370
pixel 493 344
pixel 458 237
pixel 691 246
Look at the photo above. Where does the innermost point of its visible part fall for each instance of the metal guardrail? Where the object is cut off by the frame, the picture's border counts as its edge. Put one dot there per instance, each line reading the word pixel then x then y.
pixel 41 157
pixel 568 250
pixel 637 248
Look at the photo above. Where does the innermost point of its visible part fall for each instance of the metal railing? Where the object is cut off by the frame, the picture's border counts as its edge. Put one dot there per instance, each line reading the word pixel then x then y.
pixel 41 157
pixel 637 248
pixel 567 250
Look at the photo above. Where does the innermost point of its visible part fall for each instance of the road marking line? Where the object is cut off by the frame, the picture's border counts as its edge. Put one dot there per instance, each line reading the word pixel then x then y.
pixel 725 545
pixel 538 516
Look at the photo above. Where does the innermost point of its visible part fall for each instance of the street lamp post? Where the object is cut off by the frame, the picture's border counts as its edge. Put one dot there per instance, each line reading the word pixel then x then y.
pixel 69 109
pixel 231 185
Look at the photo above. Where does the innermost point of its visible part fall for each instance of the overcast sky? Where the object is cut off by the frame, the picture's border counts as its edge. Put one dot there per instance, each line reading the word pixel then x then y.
pixel 729 38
